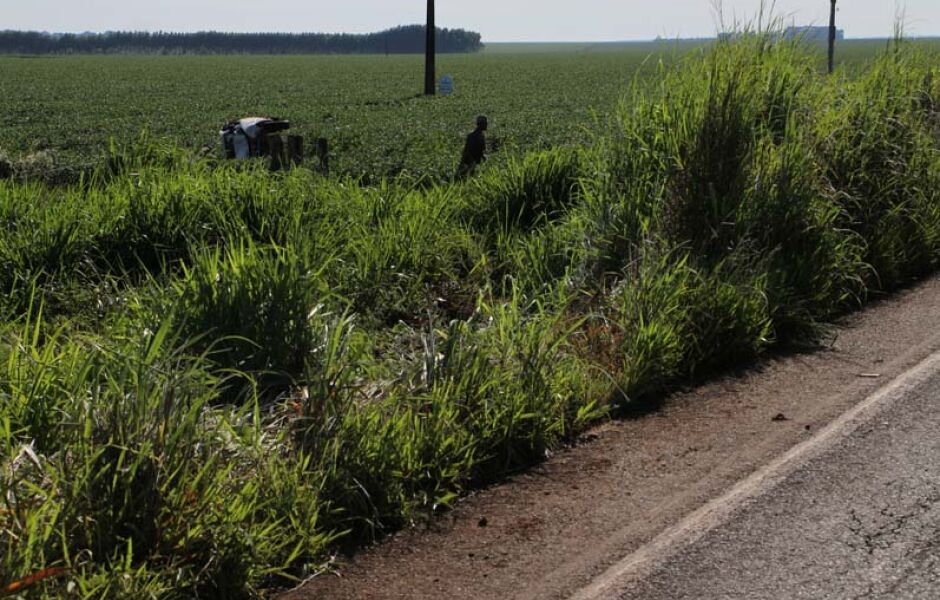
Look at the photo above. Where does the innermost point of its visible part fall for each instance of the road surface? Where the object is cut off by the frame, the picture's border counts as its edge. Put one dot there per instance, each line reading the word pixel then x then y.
pixel 854 512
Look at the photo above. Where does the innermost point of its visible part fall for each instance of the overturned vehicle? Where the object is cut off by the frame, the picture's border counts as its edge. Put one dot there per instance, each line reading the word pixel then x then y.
pixel 260 137
pixel 253 137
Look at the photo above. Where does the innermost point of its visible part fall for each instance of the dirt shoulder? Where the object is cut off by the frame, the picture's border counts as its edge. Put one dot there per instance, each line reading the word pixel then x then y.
pixel 547 533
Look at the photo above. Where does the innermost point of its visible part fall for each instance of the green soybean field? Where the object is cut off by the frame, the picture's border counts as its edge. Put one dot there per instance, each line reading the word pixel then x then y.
pixel 64 111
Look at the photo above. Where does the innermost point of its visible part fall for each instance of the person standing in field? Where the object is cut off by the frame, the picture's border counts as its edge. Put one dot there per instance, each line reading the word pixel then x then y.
pixel 474 151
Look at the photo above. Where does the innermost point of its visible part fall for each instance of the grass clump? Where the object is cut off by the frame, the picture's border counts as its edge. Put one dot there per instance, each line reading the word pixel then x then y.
pixel 879 154
pixel 120 475
pixel 527 192
pixel 252 309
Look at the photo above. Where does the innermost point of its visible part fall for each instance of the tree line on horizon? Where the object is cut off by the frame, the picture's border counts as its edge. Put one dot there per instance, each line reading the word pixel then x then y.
pixel 406 39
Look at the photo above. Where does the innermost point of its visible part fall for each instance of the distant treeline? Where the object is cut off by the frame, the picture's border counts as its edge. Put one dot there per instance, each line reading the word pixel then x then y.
pixel 407 39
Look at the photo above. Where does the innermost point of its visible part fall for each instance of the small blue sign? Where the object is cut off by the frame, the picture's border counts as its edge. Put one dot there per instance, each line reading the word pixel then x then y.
pixel 447 85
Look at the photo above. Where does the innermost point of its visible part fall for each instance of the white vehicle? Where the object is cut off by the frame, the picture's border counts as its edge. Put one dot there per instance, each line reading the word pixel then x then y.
pixel 242 139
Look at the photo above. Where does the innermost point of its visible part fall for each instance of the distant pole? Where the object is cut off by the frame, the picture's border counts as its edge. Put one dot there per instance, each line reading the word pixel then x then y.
pixel 429 52
pixel 832 38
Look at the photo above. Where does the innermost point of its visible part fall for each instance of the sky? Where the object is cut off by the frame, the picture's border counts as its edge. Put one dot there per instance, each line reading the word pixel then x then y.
pixel 497 20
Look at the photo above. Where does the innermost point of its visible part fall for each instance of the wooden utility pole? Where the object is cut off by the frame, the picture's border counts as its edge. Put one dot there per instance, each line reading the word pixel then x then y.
pixel 429 53
pixel 832 38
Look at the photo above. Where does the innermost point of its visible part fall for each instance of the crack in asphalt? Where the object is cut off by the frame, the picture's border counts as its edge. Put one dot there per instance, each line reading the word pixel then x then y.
pixel 879 538
pixel 885 537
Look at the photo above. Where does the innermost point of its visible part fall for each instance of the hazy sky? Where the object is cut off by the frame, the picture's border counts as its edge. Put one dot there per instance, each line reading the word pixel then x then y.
pixel 497 20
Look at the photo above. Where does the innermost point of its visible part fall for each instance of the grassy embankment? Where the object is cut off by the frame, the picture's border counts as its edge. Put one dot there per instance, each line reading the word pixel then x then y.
pixel 211 376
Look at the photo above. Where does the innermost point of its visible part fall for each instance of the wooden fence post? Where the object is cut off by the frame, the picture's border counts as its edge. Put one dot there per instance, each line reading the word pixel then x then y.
pixel 275 150
pixel 295 149
pixel 323 153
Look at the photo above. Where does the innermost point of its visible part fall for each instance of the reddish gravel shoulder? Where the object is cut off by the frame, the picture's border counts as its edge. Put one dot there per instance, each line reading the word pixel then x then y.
pixel 549 532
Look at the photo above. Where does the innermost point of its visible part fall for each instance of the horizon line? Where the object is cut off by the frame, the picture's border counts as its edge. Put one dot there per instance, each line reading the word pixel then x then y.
pixel 658 38
pixel 693 39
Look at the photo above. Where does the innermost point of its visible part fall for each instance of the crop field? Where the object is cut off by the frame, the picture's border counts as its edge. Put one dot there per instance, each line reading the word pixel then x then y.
pixel 366 107
pixel 213 377
pixel 66 109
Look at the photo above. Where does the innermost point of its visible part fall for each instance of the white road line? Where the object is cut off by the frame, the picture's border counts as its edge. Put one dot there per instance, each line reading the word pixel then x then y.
pixel 694 526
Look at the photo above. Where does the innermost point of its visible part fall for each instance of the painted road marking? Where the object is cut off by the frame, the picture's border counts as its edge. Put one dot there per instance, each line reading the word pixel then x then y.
pixel 642 562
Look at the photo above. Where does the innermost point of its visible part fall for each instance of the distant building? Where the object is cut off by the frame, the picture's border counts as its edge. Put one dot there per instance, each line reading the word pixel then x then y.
pixel 811 34
pixel 806 33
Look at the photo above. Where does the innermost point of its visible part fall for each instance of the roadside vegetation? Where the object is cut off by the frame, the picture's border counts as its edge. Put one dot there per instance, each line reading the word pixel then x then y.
pixel 212 376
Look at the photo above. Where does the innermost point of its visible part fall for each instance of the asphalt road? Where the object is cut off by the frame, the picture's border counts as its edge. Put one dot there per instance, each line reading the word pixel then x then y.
pixel 859 518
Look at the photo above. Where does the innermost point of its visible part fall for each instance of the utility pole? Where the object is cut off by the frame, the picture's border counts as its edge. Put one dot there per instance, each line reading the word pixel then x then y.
pixel 832 38
pixel 429 53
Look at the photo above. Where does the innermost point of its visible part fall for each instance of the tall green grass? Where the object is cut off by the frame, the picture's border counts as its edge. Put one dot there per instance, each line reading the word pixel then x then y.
pixel 213 375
